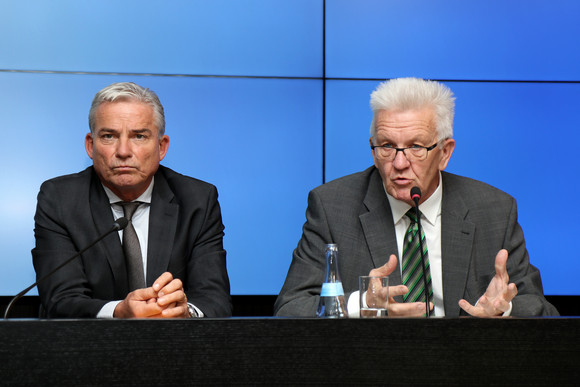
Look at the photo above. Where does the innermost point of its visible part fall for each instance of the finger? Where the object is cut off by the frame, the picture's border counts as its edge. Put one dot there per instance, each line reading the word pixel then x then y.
pixel 511 292
pixel 174 286
pixel 376 300
pixel 177 297
pixel 178 311
pixel 163 280
pixel 144 294
pixel 484 307
pixel 501 264
pixel 398 290
pixel 403 309
pixel 374 285
pixel 470 309
pixel 143 310
pixel 386 269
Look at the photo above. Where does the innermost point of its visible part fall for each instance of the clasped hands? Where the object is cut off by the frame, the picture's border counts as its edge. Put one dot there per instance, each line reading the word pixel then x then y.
pixel 494 302
pixel 165 299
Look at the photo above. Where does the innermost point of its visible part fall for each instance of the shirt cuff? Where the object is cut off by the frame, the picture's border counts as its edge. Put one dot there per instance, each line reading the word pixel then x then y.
pixel 509 311
pixel 108 310
pixel 353 305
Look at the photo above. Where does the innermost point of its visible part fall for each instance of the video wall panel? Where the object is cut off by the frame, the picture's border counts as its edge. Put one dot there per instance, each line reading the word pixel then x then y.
pixel 218 37
pixel 453 39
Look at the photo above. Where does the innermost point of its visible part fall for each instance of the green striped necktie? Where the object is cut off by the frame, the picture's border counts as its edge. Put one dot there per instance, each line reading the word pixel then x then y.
pixel 412 267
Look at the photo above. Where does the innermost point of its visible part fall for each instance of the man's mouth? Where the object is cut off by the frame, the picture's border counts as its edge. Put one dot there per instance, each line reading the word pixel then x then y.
pixel 124 168
pixel 402 181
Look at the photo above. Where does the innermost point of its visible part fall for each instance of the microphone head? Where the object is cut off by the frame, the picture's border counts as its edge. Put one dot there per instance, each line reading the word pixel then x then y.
pixel 416 194
pixel 120 223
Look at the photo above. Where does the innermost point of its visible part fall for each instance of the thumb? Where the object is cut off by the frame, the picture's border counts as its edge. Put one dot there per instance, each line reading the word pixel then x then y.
pixel 386 269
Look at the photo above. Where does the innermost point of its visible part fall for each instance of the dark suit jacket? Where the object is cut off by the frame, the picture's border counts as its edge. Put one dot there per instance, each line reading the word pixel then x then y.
pixel 185 238
pixel 477 221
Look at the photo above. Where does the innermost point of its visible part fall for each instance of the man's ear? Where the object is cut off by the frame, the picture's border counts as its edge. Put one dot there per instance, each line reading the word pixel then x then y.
pixel 89 145
pixel 446 152
pixel 163 146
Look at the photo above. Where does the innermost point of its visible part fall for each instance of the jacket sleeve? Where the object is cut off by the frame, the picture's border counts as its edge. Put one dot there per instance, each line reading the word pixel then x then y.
pixel 530 300
pixel 66 292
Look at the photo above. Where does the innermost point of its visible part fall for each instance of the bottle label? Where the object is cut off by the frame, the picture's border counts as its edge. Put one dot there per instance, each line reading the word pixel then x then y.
pixel 331 289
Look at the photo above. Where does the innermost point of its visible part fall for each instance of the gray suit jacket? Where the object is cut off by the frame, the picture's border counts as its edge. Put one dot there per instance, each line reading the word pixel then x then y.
pixel 185 238
pixel 477 221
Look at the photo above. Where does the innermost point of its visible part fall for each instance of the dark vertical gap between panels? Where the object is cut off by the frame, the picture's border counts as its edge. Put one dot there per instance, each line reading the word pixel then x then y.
pixel 323 91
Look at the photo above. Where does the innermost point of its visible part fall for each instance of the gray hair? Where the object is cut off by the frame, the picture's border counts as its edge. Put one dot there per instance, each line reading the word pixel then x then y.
pixel 128 91
pixel 414 93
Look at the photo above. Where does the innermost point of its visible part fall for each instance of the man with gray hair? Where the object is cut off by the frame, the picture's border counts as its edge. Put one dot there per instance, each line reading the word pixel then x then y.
pixel 169 262
pixel 469 227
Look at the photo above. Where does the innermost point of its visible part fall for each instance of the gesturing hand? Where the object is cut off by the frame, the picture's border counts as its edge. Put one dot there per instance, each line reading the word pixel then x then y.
pixel 498 295
pixel 396 309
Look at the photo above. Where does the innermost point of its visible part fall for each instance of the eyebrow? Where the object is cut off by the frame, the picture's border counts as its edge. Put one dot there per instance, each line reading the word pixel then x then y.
pixel 144 130
pixel 109 130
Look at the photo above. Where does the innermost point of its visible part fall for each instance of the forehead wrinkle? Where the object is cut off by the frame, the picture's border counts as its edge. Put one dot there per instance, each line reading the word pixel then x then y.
pixel 405 126
pixel 407 136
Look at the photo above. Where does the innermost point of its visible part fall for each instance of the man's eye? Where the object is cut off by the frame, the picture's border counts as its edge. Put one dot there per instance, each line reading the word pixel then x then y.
pixel 387 146
pixel 107 136
pixel 140 136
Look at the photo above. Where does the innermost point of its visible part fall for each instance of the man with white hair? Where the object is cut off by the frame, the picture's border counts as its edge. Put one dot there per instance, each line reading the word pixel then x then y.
pixel 476 260
pixel 169 262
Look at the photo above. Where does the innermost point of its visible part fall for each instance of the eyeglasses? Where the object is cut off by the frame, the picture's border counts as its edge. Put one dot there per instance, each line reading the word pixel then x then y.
pixel 415 152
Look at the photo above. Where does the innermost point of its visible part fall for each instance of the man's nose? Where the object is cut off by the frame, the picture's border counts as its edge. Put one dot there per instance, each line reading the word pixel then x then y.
pixel 123 148
pixel 400 161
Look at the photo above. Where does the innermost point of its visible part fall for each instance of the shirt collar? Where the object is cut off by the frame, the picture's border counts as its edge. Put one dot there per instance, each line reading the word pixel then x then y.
pixel 430 208
pixel 145 196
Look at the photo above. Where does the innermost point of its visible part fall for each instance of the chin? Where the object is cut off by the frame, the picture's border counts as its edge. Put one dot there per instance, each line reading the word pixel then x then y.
pixel 125 182
pixel 400 193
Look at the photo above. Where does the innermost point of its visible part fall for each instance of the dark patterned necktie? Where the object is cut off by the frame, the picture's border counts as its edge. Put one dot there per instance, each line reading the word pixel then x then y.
pixel 412 267
pixel 132 249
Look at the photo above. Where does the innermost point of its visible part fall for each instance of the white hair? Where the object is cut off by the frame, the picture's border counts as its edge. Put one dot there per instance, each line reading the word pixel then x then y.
pixel 124 91
pixel 413 93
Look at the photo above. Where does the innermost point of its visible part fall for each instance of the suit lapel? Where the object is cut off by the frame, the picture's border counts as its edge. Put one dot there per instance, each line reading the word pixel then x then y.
pixel 378 227
pixel 111 245
pixel 162 228
pixel 457 235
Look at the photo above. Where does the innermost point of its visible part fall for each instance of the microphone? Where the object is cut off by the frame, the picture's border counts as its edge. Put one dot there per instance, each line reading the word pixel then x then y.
pixel 118 224
pixel 416 196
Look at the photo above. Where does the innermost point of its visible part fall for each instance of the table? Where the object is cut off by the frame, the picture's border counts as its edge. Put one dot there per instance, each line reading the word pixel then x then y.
pixel 286 351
